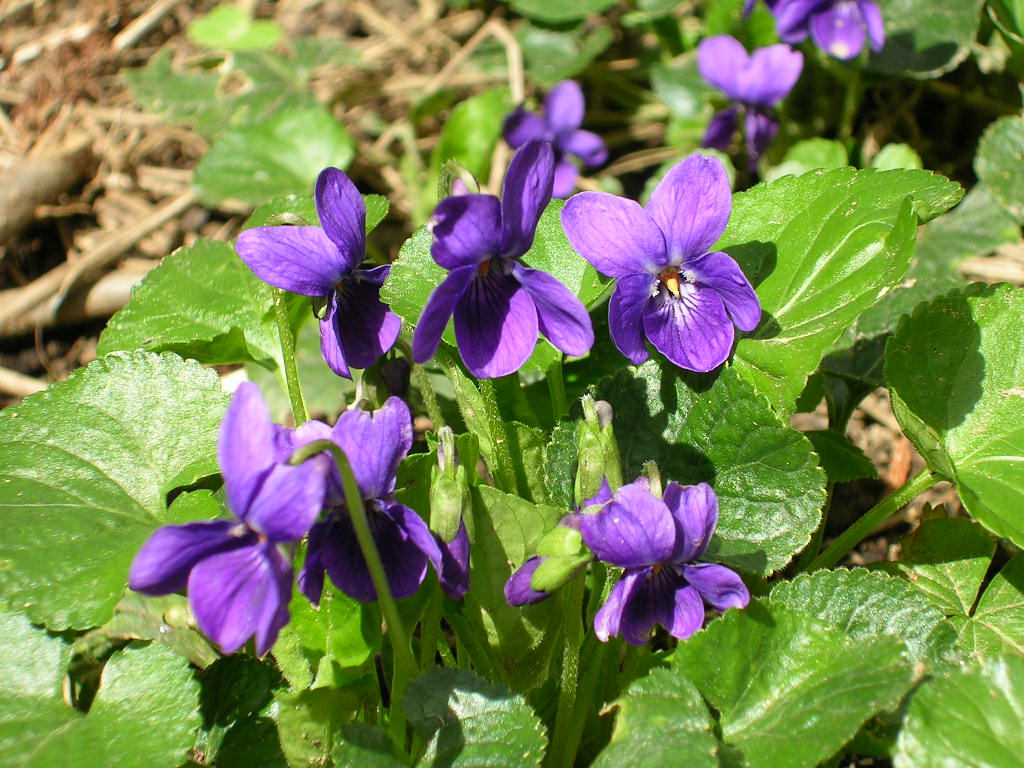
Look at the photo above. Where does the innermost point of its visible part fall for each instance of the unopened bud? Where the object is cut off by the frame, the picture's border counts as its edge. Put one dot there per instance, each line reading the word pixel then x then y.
pixel 554 572
pixel 597 449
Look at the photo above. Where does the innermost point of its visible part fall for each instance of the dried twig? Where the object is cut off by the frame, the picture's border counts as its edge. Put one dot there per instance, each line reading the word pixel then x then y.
pixel 18 384
pixel 135 31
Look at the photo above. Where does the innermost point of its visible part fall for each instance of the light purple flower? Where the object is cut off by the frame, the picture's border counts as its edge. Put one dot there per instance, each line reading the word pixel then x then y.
pixel 560 124
pixel 838 27
pixel 658 542
pixel 755 82
pixel 375 445
pixel 498 302
pixel 324 262
pixel 670 289
pixel 238 578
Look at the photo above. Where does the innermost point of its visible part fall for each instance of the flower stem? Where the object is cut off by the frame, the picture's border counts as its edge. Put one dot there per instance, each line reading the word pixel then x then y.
pixel 851 103
pixel 572 632
pixel 291 371
pixel 556 388
pixel 419 375
pixel 872 519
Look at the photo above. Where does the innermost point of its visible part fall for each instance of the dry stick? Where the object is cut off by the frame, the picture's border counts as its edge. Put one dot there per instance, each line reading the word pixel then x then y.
pixel 135 31
pixel 18 384
pixel 34 181
pixel 517 84
pixel 60 279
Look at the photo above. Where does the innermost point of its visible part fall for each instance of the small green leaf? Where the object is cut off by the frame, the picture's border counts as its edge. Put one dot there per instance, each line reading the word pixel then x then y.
pixel 559 11
pixel 1000 154
pixel 955 369
pixel 925 41
pixel 309 722
pixel 970 717
pixel 680 87
pixel 1008 15
pixel 289 207
pixel 791 690
pixel 526 446
pixel 471 132
pixel 202 302
pixel 87 466
pixel 892 157
pixel 716 429
pixel 551 56
pixel 552 253
pixel 560 462
pixel 946 561
pixel 997 625
pixel 820 249
pixel 864 603
pixel 471 722
pixel 661 717
pixel 231 28
pixel 280 156
pixel 377 207
pixel 841 459
pixel 365 746
pixel 809 155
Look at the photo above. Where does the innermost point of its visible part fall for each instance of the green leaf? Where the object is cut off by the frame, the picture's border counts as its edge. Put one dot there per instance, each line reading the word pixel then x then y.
pixel 969 717
pixel 365 746
pixel 552 253
pixel 560 463
pixel 865 604
pixel 471 132
pixel 87 465
pixel 997 625
pixel 820 249
pixel 279 156
pixel 526 444
pixel 809 155
pixel 926 41
pixel 1000 153
pixel 471 722
pixel 309 721
pixel 893 157
pixel 290 207
pixel 377 207
pixel 955 369
pixel 946 560
pixel 660 717
pixel 231 28
pixel 716 429
pixel 552 56
pixel 791 690
pixel 202 302
pixel 507 531
pixel 1008 15
pixel 680 87
pixel 841 459
pixel 145 713
pixel 559 11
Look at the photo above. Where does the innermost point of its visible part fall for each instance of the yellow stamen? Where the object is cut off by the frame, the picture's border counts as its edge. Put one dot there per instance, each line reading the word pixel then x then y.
pixel 670 279
pixel 484 268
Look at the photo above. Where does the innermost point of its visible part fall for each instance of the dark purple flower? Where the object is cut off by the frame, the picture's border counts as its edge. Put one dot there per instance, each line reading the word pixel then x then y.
pixel 239 581
pixel 670 289
pixel 658 542
pixel 324 262
pixel 498 302
pixel 375 445
pixel 755 82
pixel 838 27
pixel 518 589
pixel 560 124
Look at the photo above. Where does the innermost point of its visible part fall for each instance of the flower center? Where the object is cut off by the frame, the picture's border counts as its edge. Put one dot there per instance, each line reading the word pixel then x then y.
pixel 484 268
pixel 669 277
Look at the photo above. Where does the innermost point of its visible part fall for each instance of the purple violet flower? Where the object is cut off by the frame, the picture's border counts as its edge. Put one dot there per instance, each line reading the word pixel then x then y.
pixel 498 302
pixel 238 578
pixel 560 124
pixel 658 542
pixel 670 289
pixel 838 27
pixel 754 82
pixel 375 445
pixel 324 262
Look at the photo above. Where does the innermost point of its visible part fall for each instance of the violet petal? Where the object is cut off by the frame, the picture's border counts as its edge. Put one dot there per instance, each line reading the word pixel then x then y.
pixel 614 234
pixel 874 22
pixel 438 311
pixel 375 444
pixel 720 272
pixel 721 61
pixel 694 511
pixel 633 530
pixel 586 145
pixel 564 106
pixel 518 590
pixel 608 620
pixel 566 174
pixel 246 448
pixel 561 316
pixel 466 230
pixel 454 573
pixel 289 501
pixel 839 30
pixel 522 126
pixel 342 213
pixel 495 324
pixel 298 259
pixel 687 614
pixel 163 563
pixel 652 602
pixel 691 206
pixel 692 330
pixel 772 73
pixel 330 338
pixel 369 328
pixel 720 129
pixel 761 129
pixel 791 18
pixel 626 316
pixel 721 587
pixel 524 195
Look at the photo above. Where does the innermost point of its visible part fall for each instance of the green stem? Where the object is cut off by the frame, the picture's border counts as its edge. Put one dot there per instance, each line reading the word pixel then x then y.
pixel 446 653
pixel 851 104
pixel 872 519
pixel 430 627
pixel 556 388
pixel 469 638
pixel 596 654
pixel 291 371
pixel 572 632
pixel 419 375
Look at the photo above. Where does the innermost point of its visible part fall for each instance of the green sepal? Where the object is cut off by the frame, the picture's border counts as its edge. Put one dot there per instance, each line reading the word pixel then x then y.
pixel 597 449
pixel 554 572
pixel 560 541
pixel 449 501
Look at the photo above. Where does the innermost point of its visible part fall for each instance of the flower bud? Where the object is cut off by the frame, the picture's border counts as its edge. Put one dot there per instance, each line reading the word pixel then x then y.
pixel 597 449
pixel 450 501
